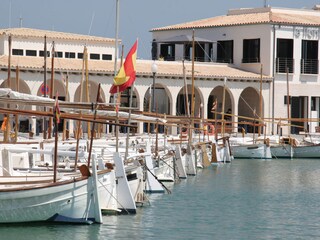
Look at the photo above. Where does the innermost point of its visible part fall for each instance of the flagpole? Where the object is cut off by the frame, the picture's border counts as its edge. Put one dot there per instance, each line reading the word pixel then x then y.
pixel 118 103
pixel 129 121
pixel 114 128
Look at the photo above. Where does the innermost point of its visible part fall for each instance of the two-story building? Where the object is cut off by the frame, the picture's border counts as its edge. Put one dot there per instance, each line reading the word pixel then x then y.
pixel 64 65
pixel 284 43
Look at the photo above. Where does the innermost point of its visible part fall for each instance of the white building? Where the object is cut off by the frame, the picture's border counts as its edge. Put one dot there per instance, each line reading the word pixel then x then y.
pixel 234 47
pixel 276 39
pixel 27 62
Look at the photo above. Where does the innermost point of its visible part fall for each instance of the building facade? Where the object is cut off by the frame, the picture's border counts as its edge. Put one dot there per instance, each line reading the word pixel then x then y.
pixel 282 43
pixel 245 91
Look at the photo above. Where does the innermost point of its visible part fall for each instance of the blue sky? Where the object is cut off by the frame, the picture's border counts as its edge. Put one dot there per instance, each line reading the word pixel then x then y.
pixel 137 17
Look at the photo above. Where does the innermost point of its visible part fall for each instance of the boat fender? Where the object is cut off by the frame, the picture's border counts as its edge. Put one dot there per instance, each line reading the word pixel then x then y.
pixel 84 171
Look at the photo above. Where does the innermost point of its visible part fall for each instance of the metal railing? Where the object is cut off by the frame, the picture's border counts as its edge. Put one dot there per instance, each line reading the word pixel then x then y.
pixel 283 63
pixel 309 66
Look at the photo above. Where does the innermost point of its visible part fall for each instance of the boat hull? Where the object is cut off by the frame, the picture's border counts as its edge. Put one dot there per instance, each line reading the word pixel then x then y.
pixel 282 151
pixel 70 201
pixel 312 151
pixel 255 151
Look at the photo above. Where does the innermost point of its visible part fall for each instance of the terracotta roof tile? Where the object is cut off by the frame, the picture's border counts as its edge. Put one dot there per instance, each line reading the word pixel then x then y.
pixel 278 17
pixel 30 32
pixel 165 69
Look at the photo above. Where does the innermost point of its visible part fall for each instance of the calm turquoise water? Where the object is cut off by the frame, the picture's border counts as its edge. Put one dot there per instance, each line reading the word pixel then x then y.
pixel 247 199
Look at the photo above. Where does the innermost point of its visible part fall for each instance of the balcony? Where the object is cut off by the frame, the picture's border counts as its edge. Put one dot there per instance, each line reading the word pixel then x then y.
pixel 282 64
pixel 309 66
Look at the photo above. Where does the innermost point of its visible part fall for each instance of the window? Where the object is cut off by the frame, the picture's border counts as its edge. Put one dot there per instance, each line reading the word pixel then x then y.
pixel 199 52
pixel 284 55
pixel 18 52
pixel 58 54
pixel 41 53
pixel 167 52
pixel 313 103
pixel 70 55
pixel 80 55
pixel 309 57
pixel 32 53
pixel 225 51
pixel 106 57
pixel 95 56
pixel 251 51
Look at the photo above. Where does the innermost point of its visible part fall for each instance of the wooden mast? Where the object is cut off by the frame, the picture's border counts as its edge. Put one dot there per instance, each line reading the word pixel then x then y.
pixel 51 88
pixel 288 101
pixel 44 123
pixel 67 100
pixel 260 101
pixel 7 130
pixel 16 129
pixel 185 89
pixel 93 124
pixel 87 91
pixel 79 124
pixel 55 166
pixel 223 106
pixel 192 89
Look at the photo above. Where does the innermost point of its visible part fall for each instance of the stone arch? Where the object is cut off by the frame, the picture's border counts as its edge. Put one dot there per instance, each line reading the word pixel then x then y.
pixel 59 87
pixel 216 95
pixel 181 108
pixel 22 87
pixel 91 98
pixel 93 90
pixel 183 102
pixel 163 99
pixel 249 108
pixel 215 103
pixel 163 102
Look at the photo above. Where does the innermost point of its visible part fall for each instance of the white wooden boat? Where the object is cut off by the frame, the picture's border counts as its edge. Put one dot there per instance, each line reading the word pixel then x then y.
pixel 74 201
pixel 255 151
pixel 280 146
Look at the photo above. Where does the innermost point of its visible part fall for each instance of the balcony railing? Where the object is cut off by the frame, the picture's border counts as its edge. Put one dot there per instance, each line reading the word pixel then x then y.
pixel 282 64
pixel 309 66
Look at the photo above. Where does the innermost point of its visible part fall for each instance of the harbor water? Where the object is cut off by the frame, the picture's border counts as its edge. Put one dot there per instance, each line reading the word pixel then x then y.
pixel 246 199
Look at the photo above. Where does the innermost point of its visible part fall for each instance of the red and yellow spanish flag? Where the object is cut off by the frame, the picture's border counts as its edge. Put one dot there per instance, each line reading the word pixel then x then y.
pixel 127 72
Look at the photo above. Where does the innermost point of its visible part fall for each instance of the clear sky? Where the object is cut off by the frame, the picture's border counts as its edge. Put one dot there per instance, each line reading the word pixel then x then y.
pixel 137 17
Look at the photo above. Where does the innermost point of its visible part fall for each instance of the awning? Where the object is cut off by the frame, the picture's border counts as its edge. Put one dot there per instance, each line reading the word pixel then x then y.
pixel 183 39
